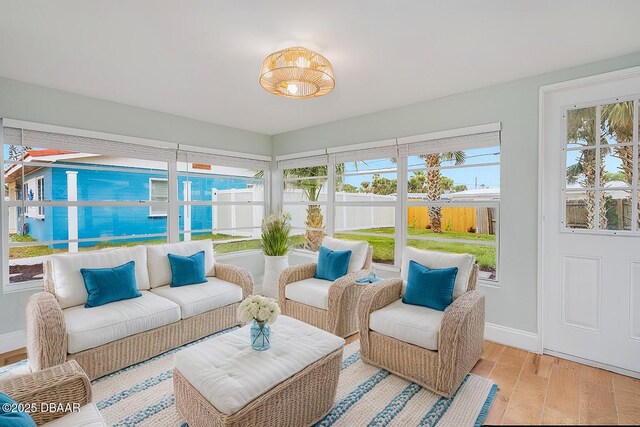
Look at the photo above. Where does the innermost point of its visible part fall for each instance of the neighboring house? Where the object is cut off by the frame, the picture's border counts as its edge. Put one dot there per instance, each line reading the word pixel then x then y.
pixel 130 180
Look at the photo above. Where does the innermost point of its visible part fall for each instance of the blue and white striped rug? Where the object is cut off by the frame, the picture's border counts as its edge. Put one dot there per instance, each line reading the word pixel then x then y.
pixel 142 395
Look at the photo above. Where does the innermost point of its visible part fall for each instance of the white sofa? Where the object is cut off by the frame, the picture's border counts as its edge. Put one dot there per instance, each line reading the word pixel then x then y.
pixel 107 338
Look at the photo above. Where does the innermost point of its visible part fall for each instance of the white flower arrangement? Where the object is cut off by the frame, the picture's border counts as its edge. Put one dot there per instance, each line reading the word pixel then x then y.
pixel 258 308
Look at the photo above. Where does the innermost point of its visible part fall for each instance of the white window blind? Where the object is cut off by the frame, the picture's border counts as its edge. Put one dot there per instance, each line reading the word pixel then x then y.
pixel 367 154
pixel 82 144
pixel 454 143
pixel 219 159
pixel 303 162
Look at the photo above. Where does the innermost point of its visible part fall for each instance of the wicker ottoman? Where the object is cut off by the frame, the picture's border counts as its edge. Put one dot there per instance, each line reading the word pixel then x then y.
pixel 224 382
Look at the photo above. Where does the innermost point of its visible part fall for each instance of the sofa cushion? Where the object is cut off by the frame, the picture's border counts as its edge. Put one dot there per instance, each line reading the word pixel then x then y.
pixel 439 260
pixel 193 300
pixel 408 323
pixel 67 279
pixel 91 327
pixel 87 416
pixel 159 267
pixel 313 292
pixel 358 250
pixel 106 285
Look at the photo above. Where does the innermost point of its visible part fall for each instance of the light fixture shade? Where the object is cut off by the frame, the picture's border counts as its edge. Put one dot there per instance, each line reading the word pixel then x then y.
pixel 297 72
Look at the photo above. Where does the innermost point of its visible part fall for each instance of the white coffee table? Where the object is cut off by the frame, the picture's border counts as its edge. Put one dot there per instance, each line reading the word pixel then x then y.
pixel 224 382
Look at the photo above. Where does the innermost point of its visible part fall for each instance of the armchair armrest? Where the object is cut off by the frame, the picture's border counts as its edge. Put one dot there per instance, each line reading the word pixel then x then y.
pixel 46 332
pixel 374 298
pixel 63 384
pixel 237 275
pixel 294 274
pixel 343 297
pixel 461 338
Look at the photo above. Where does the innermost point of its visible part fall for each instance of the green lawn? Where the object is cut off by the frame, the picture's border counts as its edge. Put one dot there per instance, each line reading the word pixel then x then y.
pixel 383 247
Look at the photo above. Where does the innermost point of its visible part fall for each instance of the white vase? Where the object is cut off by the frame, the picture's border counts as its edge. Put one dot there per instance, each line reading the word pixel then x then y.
pixel 273 266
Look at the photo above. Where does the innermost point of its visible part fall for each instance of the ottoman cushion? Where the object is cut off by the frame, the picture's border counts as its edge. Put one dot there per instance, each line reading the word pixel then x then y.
pixel 230 374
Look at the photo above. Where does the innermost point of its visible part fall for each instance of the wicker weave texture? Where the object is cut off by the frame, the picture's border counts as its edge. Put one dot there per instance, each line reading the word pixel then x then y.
pixel 341 317
pixel 62 384
pixel 301 400
pixel 459 347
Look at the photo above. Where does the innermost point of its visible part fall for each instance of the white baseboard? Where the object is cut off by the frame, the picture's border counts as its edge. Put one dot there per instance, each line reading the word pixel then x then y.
pixel 12 341
pixel 512 337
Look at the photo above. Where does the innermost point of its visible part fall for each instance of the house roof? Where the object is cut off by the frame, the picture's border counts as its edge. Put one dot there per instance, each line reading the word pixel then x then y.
pixel 14 172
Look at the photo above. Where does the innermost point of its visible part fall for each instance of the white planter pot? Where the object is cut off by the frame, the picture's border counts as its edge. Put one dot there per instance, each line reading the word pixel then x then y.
pixel 273 266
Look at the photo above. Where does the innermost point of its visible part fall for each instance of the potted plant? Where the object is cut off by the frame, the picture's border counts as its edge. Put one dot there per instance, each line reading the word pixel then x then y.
pixel 275 246
pixel 262 311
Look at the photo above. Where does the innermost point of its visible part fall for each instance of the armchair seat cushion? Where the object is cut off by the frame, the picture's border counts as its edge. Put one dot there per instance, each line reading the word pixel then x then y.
pixel 87 416
pixel 197 299
pixel 313 292
pixel 91 327
pixel 412 324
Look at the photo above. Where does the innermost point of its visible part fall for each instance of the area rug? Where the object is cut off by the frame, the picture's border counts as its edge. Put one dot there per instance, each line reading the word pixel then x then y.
pixel 142 395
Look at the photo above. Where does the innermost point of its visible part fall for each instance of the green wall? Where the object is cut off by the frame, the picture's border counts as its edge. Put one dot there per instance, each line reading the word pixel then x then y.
pixel 515 104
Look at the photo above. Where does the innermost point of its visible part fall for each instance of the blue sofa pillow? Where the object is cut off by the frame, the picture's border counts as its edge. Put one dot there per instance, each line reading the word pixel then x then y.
pixel 106 285
pixel 187 270
pixel 430 288
pixel 10 416
pixel 332 265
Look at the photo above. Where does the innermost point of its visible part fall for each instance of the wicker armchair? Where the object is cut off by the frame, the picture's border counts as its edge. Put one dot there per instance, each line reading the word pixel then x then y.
pixel 340 317
pixel 65 385
pixel 459 339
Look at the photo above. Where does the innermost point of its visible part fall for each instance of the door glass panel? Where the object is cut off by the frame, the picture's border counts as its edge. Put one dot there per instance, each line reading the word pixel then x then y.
pixel 618 209
pixel 580 210
pixel 581 168
pixel 616 123
pixel 581 127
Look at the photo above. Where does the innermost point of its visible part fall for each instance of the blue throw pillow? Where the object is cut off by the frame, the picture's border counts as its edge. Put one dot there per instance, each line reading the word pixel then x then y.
pixel 332 265
pixel 187 270
pixel 106 285
pixel 430 288
pixel 10 416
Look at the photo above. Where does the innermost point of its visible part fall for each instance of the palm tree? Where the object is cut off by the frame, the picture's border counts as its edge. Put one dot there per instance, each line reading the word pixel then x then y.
pixel 617 123
pixel 434 185
pixel 581 130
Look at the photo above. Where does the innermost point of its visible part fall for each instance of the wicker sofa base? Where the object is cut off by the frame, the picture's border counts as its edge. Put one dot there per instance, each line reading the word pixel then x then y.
pixel 113 356
pixel 412 363
pixel 301 400
pixel 320 318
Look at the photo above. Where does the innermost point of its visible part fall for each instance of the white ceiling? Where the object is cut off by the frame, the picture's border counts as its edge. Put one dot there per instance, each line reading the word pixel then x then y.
pixel 200 59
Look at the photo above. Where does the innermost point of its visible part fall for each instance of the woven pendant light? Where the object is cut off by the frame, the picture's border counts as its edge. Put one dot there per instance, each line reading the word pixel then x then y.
pixel 297 72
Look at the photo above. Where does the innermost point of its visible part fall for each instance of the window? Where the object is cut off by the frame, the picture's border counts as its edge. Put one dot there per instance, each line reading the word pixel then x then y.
pixel 601 158
pixel 304 197
pixel 158 192
pixel 40 185
pixel 431 193
pixel 453 203
pixel 365 202
pixel 221 199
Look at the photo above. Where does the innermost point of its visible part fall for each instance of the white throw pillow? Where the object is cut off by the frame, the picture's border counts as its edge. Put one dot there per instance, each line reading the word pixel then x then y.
pixel 437 260
pixel 358 251
pixel 159 267
pixel 67 279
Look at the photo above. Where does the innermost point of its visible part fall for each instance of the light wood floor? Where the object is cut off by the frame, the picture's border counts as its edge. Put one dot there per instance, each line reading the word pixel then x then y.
pixel 535 389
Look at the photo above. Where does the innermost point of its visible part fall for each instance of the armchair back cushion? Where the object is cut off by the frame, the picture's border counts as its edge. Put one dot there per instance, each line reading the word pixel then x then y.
pixel 439 260
pixel 106 285
pixel 332 265
pixel 159 267
pixel 430 288
pixel 68 283
pixel 358 251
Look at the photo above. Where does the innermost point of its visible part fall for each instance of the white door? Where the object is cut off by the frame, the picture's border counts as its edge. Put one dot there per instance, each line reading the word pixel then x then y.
pixel 591 223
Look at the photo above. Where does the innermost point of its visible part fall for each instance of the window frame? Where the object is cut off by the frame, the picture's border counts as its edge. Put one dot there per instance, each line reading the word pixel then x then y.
pixel 634 189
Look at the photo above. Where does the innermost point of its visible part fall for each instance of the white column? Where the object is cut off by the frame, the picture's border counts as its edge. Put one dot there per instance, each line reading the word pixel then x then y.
pixel 187 210
pixel 173 213
pixel 214 209
pixel 72 211
pixel 232 198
